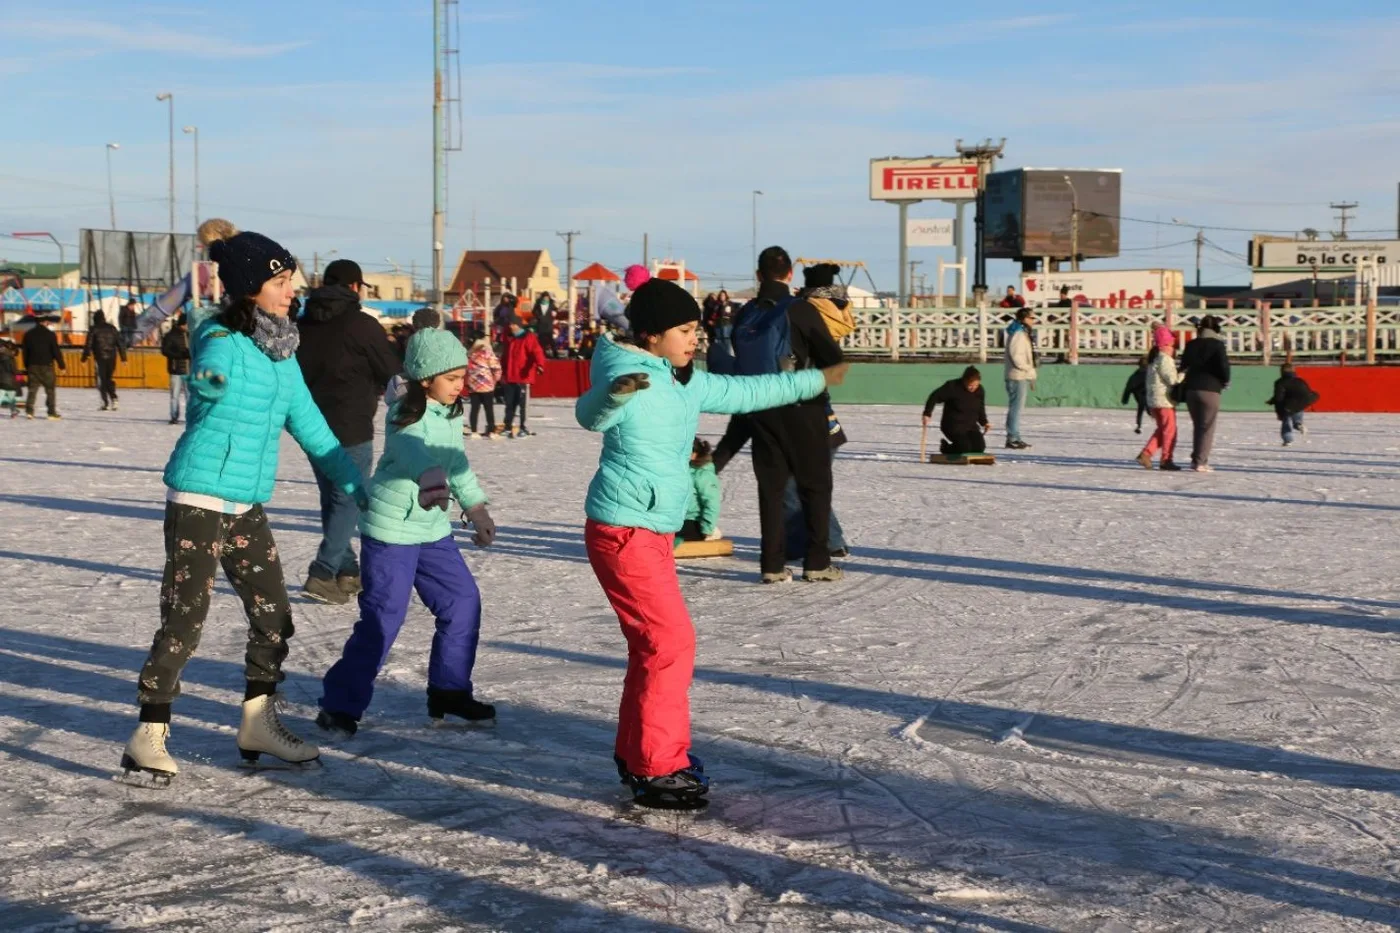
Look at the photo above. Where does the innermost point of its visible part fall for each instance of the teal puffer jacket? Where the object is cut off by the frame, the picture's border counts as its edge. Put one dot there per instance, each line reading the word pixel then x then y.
pixel 434 440
pixel 643 478
pixel 240 402
pixel 705 497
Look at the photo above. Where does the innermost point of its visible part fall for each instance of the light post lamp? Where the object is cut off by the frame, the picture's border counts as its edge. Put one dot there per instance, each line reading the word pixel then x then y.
pixel 111 197
pixel 1073 226
pixel 194 131
pixel 170 99
pixel 756 195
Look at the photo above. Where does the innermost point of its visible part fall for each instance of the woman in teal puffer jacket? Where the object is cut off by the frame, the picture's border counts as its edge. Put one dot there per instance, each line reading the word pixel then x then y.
pixel 646 399
pixel 245 389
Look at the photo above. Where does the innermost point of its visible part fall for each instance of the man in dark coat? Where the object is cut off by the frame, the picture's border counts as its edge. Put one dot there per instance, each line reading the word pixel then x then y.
pixel 964 423
pixel 104 345
pixel 127 318
pixel 175 347
pixel 792 441
pixel 41 357
pixel 346 359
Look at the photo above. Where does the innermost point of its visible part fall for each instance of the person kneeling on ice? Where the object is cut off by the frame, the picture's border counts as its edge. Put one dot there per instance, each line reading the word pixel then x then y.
pixel 702 508
pixel 964 424
pixel 1292 396
pixel 646 399
pixel 406 543
pixel 245 389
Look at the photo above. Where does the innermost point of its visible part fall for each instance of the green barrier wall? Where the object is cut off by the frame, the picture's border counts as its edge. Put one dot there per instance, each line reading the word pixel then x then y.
pixel 1058 386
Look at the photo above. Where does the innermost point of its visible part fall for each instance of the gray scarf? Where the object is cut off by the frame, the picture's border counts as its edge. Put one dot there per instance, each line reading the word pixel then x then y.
pixel 1207 332
pixel 831 292
pixel 277 337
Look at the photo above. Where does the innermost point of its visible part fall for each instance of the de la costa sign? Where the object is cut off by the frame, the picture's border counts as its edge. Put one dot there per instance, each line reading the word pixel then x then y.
pixel 1306 254
pixel 927 179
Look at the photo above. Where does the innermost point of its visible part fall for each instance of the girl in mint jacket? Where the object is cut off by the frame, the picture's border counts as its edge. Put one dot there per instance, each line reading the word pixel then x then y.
pixel 406 543
pixel 646 399
pixel 245 390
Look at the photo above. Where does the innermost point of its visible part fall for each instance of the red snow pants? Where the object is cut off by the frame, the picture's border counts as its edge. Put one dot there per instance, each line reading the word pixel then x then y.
pixel 1164 438
pixel 637 571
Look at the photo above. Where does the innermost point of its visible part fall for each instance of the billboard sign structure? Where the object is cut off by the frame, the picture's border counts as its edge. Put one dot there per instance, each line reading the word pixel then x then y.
pixel 930 232
pixel 125 257
pixel 1106 288
pixel 927 179
pixel 1323 255
pixel 1029 213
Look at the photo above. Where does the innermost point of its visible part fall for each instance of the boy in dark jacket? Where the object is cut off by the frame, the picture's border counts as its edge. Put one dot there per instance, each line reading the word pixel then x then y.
pixel 1137 389
pixel 175 347
pixel 964 424
pixel 1292 396
pixel 104 345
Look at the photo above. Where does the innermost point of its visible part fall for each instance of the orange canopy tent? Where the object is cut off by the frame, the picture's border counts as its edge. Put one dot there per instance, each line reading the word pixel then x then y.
pixel 597 273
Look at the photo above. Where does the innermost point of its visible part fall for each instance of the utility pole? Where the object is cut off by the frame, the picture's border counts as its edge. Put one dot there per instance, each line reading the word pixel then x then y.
pixel 194 131
pixel 1073 225
pixel 986 154
pixel 170 98
pixel 111 195
pixel 1343 208
pixel 756 195
pixel 646 256
pixel 1200 241
pixel 912 264
pixel 568 236
pixel 446 131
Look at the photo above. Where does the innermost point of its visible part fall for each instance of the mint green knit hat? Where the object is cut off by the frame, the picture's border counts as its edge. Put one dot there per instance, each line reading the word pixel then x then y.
pixel 431 353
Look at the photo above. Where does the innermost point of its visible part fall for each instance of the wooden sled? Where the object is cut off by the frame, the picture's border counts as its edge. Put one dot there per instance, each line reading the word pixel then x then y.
pixel 968 460
pixel 690 550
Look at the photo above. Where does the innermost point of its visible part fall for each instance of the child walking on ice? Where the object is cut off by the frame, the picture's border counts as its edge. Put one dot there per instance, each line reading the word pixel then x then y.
pixel 1162 378
pixel 646 399
pixel 406 543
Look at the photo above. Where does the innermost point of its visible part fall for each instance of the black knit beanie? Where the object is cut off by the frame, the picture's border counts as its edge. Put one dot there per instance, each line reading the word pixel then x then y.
pixel 246 260
pixel 659 305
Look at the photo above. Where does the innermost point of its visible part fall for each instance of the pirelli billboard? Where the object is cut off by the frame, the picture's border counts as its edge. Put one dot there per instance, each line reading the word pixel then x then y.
pixel 927 179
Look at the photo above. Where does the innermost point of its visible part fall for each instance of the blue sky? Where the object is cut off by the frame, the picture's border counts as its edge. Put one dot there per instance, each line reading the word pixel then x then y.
pixel 612 119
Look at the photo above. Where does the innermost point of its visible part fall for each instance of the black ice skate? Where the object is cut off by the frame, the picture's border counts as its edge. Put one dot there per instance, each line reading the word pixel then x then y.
pixel 625 776
pixel 339 725
pixel 680 790
pixel 459 703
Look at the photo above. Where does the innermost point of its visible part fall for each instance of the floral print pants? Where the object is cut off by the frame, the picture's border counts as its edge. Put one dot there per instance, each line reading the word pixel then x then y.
pixel 197 541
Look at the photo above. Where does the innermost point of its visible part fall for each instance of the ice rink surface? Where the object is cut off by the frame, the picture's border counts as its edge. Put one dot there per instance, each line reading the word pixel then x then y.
pixel 1061 693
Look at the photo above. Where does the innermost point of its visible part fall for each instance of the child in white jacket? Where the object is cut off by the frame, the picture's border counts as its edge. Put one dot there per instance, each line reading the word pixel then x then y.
pixel 1161 377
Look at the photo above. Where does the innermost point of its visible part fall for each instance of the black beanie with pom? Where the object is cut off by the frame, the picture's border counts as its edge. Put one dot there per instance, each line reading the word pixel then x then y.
pixel 246 260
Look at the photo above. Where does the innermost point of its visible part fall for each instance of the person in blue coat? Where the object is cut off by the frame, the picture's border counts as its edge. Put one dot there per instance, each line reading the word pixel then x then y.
pixel 646 399
pixel 245 390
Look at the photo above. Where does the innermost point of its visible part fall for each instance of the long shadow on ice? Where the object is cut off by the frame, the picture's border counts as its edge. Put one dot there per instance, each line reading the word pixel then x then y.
pixel 154 512
pixel 34 918
pixel 900 822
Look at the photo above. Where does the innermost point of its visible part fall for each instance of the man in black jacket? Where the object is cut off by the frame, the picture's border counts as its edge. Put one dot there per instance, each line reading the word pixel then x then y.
pixel 175 347
pixel 127 317
pixel 346 359
pixel 104 345
pixel 791 441
pixel 41 356
pixel 964 423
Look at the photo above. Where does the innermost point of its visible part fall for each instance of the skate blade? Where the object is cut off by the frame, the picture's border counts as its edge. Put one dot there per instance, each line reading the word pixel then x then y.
pixel 266 761
pixel 144 778
pixel 452 723
pixel 685 804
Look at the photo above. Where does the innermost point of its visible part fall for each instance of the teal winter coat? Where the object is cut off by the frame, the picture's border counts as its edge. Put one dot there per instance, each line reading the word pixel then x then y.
pixel 240 402
pixel 705 497
pixel 643 478
pixel 434 440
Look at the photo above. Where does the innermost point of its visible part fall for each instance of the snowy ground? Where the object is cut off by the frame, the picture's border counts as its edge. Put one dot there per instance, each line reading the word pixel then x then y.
pixel 1060 693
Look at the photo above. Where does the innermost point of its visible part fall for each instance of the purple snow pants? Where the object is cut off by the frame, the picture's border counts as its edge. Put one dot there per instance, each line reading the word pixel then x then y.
pixel 390 573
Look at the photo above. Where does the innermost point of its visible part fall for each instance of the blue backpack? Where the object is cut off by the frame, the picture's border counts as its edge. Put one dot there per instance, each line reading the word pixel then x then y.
pixel 763 338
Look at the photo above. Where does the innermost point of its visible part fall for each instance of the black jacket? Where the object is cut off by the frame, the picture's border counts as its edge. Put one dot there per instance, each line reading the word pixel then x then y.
pixel 346 359
pixel 176 350
pixel 126 317
pixel 104 343
pixel 9 380
pixel 1136 387
pixel 964 412
pixel 40 348
pixel 1206 364
pixel 1291 395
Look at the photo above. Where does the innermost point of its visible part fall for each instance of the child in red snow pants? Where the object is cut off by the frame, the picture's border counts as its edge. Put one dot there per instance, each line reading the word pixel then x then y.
pixel 1164 438
pixel 637 571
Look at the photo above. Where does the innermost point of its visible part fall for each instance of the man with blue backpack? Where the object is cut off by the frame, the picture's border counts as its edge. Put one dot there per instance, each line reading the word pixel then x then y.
pixel 777 332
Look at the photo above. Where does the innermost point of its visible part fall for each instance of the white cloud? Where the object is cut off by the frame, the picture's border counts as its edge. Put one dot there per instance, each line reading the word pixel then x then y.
pixel 974 30
pixel 145 38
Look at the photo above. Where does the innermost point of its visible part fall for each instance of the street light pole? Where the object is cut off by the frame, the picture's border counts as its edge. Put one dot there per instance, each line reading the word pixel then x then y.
pixel 111 197
pixel 756 195
pixel 1073 227
pixel 194 130
pixel 45 235
pixel 170 98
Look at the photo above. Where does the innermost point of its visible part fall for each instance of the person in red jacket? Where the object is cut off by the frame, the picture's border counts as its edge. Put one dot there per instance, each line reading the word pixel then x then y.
pixel 524 360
